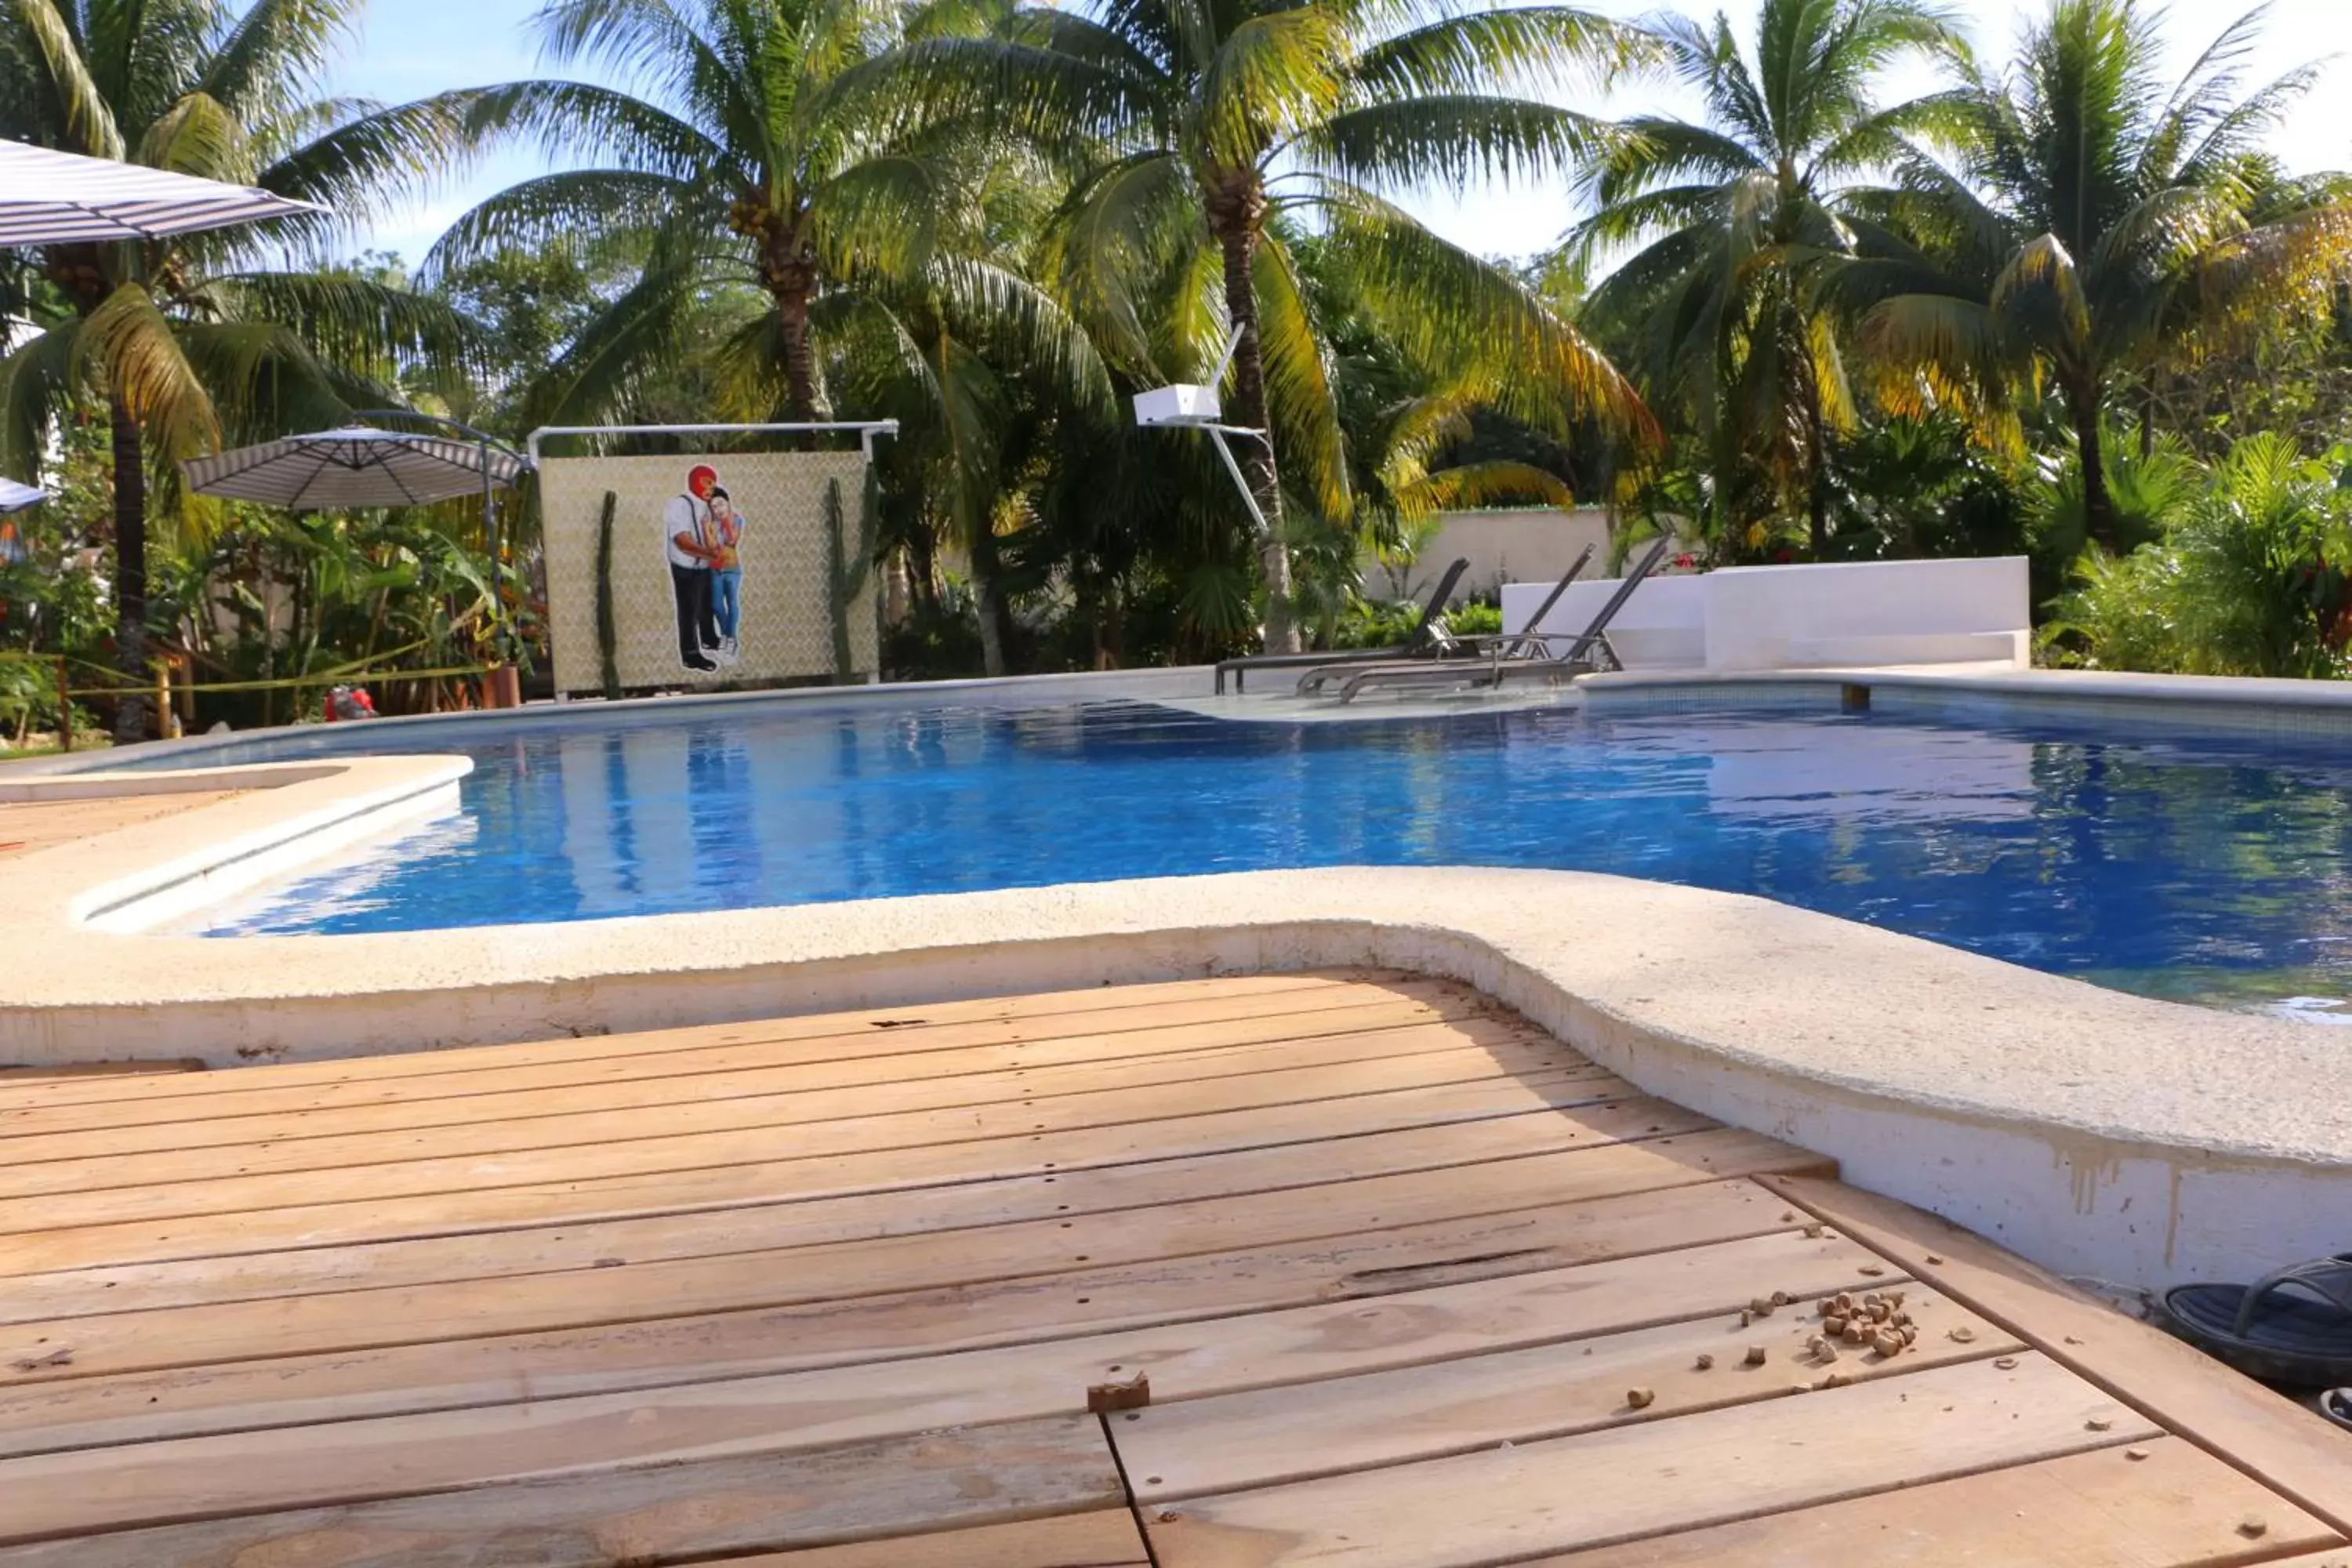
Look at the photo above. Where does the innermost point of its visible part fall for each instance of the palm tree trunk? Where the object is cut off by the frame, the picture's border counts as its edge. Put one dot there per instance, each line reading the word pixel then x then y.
pixel 2098 507
pixel 799 354
pixel 132 721
pixel 1817 467
pixel 1236 209
pixel 988 603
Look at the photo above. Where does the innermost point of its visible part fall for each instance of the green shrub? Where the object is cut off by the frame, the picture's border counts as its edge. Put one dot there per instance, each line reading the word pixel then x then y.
pixel 2247 577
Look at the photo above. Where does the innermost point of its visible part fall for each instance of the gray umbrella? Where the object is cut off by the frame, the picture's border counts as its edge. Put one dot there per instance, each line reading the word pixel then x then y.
pixel 356 466
pixel 14 496
pixel 61 198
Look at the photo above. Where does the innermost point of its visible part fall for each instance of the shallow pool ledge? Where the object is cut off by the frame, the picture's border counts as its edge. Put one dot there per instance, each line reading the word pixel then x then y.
pixel 2108 1136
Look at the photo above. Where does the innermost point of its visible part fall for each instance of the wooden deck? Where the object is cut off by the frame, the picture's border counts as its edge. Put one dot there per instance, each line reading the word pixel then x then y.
pixel 1413 1286
pixel 29 825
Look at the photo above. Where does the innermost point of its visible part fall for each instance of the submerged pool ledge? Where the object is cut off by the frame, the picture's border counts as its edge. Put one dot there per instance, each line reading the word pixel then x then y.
pixel 2133 1141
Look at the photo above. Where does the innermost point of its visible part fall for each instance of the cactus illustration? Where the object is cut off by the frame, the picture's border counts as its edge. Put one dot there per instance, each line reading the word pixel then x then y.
pixel 846 566
pixel 608 634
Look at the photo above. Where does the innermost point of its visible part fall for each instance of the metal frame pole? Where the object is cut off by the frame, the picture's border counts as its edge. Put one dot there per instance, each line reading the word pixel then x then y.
pixel 867 430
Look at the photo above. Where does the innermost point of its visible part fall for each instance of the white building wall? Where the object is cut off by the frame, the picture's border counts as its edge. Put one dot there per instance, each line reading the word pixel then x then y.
pixel 1806 618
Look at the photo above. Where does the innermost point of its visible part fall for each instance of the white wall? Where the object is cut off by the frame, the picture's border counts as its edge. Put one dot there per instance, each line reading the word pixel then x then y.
pixel 1534 544
pixel 1808 617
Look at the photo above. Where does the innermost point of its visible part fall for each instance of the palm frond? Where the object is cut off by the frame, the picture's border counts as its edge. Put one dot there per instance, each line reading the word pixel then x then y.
pixel 1275 75
pixel 128 340
pixel 1302 404
pixel 1451 140
pixel 1528 48
pixel 83 112
pixel 566 119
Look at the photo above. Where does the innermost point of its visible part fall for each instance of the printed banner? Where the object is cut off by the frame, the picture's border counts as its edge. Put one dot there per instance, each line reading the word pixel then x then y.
pixel 717 569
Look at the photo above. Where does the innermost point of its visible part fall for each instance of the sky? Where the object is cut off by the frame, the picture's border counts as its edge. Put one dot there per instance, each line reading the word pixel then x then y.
pixel 410 49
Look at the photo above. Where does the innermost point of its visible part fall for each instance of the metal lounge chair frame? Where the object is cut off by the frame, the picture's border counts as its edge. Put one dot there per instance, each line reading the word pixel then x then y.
pixel 1591 652
pixel 1421 635
pixel 1445 647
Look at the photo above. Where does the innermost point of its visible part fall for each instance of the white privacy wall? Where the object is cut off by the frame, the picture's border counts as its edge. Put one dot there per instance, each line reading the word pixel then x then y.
pixel 1806 618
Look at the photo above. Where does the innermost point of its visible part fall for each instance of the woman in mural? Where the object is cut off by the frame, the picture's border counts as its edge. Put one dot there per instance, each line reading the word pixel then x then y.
pixel 726 571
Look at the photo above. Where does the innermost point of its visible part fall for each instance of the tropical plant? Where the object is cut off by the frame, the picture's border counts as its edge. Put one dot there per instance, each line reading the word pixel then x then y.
pixel 2252 578
pixel 1737 218
pixel 1207 131
pixel 741 168
pixel 2075 218
pixel 183 341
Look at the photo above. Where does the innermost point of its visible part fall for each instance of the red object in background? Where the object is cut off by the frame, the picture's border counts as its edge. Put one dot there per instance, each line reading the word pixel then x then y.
pixel 344 703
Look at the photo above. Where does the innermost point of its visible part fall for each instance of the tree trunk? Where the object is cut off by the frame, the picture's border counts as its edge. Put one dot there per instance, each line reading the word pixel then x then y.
pixel 1817 502
pixel 133 720
pixel 799 354
pixel 2098 507
pixel 897 592
pixel 989 606
pixel 1236 211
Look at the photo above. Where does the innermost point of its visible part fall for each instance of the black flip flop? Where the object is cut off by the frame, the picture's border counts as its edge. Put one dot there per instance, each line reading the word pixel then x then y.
pixel 2263 1330
pixel 2336 1405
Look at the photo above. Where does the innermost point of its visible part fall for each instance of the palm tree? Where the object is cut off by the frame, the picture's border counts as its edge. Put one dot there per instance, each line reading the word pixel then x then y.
pixel 1737 217
pixel 1204 132
pixel 180 340
pixel 742 163
pixel 761 202
pixel 2083 217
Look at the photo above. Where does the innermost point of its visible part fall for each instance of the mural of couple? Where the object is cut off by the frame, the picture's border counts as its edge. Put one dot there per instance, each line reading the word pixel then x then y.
pixel 702 534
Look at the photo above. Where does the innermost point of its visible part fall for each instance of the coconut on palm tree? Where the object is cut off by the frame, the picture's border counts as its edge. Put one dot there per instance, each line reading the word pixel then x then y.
pixel 1206 132
pixel 179 340
pixel 1734 218
pixel 2076 217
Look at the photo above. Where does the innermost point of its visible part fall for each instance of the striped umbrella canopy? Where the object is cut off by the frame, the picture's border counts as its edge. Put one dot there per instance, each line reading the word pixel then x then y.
pixel 14 496
pixel 355 467
pixel 61 198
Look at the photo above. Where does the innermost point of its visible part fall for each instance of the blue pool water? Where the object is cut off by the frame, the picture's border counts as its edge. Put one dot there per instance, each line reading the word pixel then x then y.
pixel 2200 869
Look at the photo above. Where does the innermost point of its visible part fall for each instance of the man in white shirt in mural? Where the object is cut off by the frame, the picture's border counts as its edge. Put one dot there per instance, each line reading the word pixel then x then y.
pixel 689 539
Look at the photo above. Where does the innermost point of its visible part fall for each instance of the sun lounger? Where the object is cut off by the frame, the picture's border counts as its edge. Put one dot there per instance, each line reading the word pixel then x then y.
pixel 1441 646
pixel 1422 634
pixel 1589 651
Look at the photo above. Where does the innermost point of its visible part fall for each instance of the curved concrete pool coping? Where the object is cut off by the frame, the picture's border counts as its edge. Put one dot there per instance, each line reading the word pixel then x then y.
pixel 2113 1138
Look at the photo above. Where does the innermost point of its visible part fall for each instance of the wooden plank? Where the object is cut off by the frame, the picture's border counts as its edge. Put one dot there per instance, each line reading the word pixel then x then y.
pixel 761 1504
pixel 2286 1447
pixel 854 1296
pixel 2174 1508
pixel 1564 1112
pixel 623 1290
pixel 1269 1437
pixel 1380 1089
pixel 1108 1539
pixel 266 1459
pixel 908 1028
pixel 1654 1478
pixel 73 1071
pixel 1389 1084
pixel 529 1126
pixel 1196 1204
pixel 718 1073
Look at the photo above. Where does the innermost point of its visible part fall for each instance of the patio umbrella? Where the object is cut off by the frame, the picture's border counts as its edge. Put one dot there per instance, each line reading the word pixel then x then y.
pixel 359 466
pixel 14 496
pixel 61 198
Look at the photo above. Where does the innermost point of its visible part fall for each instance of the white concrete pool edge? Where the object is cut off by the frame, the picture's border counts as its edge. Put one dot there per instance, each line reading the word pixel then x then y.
pixel 2133 1141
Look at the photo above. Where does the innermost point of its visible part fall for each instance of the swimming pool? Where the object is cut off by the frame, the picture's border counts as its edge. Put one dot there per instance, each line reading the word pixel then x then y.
pixel 2205 871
